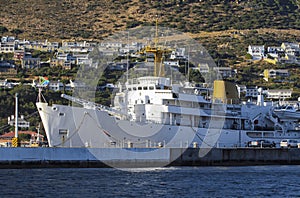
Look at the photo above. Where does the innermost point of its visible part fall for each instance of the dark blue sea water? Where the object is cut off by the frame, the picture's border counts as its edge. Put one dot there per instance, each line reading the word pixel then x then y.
pixel 252 181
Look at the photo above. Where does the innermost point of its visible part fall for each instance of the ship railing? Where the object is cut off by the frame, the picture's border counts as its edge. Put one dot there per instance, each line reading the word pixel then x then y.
pixel 177 144
pixel 147 144
pixel 92 105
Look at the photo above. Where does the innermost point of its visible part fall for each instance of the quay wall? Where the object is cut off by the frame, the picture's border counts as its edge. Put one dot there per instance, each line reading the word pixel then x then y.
pixel 144 157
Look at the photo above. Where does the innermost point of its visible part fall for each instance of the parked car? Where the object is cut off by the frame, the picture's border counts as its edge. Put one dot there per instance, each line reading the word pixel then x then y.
pixel 267 143
pixel 253 143
pixel 261 143
pixel 287 143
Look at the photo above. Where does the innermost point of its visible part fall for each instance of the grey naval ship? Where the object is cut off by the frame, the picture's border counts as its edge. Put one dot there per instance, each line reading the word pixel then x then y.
pixel 151 112
pixel 154 111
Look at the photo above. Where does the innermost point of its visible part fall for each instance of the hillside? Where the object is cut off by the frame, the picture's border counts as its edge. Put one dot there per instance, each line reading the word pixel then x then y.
pixel 66 19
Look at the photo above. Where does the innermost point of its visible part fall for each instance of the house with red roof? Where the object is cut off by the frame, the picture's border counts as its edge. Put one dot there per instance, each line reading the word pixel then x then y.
pixel 6 138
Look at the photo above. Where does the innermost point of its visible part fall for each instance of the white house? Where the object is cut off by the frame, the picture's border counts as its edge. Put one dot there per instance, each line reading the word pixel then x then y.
pixel 275 52
pixel 172 63
pixel 256 51
pixel 21 121
pixel 279 93
pixel 6 39
pixel 73 46
pixel 66 57
pixel 7 47
pixel 241 89
pixel 112 44
pixel 56 86
pixel 252 92
pixel 29 62
pixel 178 54
pixel 273 73
pixel 287 45
pixel 291 49
pixel 82 59
pixel 224 71
pixel 4 84
pixel 203 68
pixel 77 85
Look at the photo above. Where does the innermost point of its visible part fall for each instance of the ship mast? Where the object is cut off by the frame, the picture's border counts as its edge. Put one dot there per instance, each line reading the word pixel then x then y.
pixel 127 57
pixel 159 70
pixel 156 33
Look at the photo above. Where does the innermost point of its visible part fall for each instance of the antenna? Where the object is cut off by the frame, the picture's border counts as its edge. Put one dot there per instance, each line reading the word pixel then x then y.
pixel 156 32
pixel 127 57
pixel 188 69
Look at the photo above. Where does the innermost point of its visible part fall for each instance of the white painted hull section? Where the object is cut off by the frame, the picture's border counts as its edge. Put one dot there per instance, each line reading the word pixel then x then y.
pixel 68 126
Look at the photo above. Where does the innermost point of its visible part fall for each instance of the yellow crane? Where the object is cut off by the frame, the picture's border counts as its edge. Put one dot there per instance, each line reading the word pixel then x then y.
pixel 158 51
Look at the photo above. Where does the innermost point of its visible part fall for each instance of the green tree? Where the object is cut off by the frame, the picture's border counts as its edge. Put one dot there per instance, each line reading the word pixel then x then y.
pixel 17 31
pixel 24 137
pixel 3 29
pixel 248 56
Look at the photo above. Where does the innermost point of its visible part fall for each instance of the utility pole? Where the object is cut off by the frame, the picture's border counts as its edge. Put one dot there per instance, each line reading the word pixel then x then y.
pixel 15 140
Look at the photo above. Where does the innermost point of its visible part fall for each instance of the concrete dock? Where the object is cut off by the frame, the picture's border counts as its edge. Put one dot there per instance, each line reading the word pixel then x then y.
pixel 145 157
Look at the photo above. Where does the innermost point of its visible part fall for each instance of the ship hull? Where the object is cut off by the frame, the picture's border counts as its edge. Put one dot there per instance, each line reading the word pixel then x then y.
pixel 68 126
